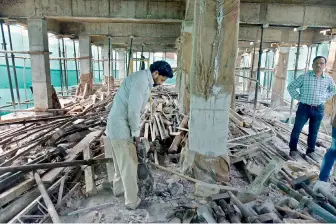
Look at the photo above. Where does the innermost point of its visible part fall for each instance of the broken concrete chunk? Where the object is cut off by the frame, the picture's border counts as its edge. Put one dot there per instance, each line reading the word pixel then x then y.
pixel 205 190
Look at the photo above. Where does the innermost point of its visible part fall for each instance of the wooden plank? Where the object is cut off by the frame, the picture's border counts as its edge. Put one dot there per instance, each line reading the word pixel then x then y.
pixel 90 185
pixel 16 191
pixel 51 176
pixel 161 132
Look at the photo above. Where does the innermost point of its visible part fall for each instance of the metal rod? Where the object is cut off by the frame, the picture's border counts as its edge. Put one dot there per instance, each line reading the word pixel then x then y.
pixel 24 78
pixel 98 63
pixel 253 58
pixel 14 68
pixel 60 65
pixel 109 64
pixel 259 65
pixel 310 50
pixel 136 62
pixel 115 64
pixel 252 79
pixel 74 47
pixel 37 166
pixel 129 56
pixel 65 68
pixel 268 76
pixel 7 63
pixel 295 75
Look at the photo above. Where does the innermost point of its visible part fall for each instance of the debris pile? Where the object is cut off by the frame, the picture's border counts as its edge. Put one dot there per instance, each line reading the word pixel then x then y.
pixel 45 141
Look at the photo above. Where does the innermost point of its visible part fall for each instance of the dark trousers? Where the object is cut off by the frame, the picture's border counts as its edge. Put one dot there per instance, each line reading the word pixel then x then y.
pixel 329 159
pixel 304 113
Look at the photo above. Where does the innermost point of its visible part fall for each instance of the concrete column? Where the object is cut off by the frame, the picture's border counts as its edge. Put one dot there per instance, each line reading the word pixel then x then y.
pixel 86 77
pixel 85 52
pixel 106 62
pixel 331 70
pixel 121 63
pixel 215 44
pixel 40 66
pixel 280 75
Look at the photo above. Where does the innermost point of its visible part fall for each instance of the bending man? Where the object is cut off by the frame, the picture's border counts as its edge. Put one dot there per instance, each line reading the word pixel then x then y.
pixel 123 127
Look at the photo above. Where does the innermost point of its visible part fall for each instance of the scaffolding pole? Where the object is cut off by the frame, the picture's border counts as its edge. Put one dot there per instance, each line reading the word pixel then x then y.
pixel 109 64
pixel 76 67
pixel 60 65
pixel 98 63
pixel 65 68
pixel 7 63
pixel 259 65
pixel 14 68
pixel 129 56
pixel 295 75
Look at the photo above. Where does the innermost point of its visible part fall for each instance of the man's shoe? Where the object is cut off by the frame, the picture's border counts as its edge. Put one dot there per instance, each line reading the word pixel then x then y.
pixel 294 154
pixel 314 156
pixel 134 205
pixel 321 184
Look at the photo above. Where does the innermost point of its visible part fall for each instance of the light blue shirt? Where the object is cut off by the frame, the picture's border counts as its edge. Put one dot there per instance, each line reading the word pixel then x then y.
pixel 313 90
pixel 124 119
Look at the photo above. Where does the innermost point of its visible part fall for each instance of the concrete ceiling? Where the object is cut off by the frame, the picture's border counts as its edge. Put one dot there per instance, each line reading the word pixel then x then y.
pixel 302 2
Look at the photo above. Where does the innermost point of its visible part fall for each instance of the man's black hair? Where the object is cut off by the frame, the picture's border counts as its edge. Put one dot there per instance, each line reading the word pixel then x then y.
pixel 163 68
pixel 318 57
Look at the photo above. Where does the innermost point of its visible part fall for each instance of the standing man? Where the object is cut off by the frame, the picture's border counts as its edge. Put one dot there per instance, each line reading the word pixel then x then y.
pixel 123 127
pixel 315 88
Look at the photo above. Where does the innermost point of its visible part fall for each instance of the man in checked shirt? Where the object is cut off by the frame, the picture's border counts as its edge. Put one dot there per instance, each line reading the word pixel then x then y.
pixel 315 88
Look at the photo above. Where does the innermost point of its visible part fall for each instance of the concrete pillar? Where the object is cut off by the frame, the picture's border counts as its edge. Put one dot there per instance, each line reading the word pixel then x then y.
pixel 331 70
pixel 121 63
pixel 85 54
pixel 40 66
pixel 280 75
pixel 108 67
pixel 215 43
pixel 86 77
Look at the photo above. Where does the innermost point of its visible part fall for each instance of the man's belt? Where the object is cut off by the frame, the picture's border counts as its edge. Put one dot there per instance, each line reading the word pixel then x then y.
pixel 312 105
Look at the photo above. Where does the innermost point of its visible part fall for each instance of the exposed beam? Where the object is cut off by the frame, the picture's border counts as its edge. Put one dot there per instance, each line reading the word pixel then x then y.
pixel 122 29
pixel 99 40
pixel 288 14
pixel 138 9
pixel 281 14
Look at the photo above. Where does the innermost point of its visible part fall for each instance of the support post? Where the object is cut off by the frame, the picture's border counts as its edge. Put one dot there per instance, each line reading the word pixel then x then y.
pixel 85 64
pixel 14 68
pixel 76 67
pixel 280 75
pixel 129 57
pixel 60 65
pixel 215 40
pixel 295 75
pixel 107 66
pixel 7 64
pixel 40 65
pixel 66 79
pixel 98 63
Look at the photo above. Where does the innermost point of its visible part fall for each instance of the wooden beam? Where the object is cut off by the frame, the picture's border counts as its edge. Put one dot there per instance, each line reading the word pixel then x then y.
pixel 90 185
pixel 16 191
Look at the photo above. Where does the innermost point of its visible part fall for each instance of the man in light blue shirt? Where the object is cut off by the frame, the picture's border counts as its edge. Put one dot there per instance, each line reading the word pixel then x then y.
pixel 123 127
pixel 315 88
